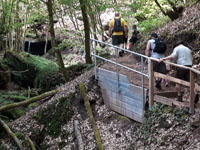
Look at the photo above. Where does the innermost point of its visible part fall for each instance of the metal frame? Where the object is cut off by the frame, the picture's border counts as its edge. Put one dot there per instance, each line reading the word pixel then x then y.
pixel 94 54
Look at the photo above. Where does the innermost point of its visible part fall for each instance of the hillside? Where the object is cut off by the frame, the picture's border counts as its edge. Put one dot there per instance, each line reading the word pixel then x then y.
pixel 50 124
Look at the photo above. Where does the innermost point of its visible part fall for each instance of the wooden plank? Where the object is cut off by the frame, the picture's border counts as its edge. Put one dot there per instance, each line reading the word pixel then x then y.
pixel 127 113
pixel 128 100
pixel 111 75
pixel 182 82
pixel 170 102
pixel 191 92
pixel 122 103
pixel 151 84
pixel 168 94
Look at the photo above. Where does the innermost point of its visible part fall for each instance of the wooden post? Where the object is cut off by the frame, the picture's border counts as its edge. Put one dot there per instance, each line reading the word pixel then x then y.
pixel 151 84
pixel 191 92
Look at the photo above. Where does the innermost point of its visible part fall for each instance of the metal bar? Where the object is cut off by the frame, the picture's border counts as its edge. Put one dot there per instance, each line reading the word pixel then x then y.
pixel 146 75
pixel 117 68
pixel 142 70
pixel 95 60
pixel 120 48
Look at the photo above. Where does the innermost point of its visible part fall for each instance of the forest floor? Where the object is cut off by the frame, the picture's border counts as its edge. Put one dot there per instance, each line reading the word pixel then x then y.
pixel 164 127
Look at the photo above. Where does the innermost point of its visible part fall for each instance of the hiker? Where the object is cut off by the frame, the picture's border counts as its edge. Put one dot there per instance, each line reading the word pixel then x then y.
pixel 118 30
pixel 126 37
pixel 183 56
pixel 150 51
pixel 134 37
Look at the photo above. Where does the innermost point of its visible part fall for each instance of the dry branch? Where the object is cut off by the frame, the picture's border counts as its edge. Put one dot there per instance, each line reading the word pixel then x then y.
pixel 78 135
pixel 89 112
pixel 5 126
pixel 28 101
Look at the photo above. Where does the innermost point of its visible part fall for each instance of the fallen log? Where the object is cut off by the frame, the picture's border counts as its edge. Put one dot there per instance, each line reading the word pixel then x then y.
pixel 5 126
pixel 78 135
pixel 91 118
pixel 28 101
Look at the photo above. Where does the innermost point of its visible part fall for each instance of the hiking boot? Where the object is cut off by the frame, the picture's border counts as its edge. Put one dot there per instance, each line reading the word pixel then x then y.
pixel 196 98
pixel 179 98
pixel 121 53
pixel 158 84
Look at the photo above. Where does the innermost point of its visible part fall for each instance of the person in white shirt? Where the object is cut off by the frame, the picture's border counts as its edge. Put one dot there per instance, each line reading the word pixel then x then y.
pixel 183 56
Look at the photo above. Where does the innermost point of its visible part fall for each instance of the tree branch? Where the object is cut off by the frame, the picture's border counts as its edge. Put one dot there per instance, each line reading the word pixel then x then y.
pixel 28 101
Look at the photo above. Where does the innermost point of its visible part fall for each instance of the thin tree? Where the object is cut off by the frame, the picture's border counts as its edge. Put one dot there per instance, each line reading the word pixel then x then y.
pixel 87 31
pixel 49 4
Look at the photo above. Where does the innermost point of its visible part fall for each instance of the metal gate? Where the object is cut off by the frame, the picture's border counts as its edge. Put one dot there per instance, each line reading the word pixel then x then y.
pixel 118 93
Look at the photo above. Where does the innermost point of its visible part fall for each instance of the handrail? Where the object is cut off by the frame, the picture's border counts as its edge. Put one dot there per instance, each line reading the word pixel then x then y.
pixel 146 75
pixel 126 50
pixel 177 65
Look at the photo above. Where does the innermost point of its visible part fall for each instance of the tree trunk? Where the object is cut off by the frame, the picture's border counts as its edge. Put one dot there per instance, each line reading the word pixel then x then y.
pixel 28 101
pixel 156 1
pixel 93 21
pixel 87 31
pixel 53 40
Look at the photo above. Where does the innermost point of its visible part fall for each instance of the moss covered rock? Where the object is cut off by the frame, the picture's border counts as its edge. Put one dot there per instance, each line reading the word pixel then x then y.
pixel 33 71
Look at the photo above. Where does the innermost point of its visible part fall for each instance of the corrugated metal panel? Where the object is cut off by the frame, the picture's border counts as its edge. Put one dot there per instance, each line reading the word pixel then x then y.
pixel 127 100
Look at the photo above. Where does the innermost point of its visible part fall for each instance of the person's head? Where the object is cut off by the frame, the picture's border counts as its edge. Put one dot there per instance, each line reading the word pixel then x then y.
pixel 178 43
pixel 154 35
pixel 134 26
pixel 117 14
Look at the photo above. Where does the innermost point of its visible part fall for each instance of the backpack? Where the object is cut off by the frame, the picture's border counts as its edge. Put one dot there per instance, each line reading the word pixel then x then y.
pixel 160 46
pixel 117 25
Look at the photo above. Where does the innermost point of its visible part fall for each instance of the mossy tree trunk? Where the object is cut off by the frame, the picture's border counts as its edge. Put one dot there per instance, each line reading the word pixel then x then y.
pixel 28 101
pixel 53 40
pixel 172 14
pixel 83 4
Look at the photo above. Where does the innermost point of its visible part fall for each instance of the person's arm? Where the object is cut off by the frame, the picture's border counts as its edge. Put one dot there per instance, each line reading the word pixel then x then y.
pixel 110 31
pixel 111 27
pixel 166 58
pixel 148 48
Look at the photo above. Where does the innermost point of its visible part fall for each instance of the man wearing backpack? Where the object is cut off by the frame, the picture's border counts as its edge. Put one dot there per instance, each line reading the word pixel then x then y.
pixel 156 48
pixel 118 30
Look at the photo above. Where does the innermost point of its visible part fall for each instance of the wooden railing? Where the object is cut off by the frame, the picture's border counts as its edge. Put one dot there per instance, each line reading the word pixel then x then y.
pixel 190 84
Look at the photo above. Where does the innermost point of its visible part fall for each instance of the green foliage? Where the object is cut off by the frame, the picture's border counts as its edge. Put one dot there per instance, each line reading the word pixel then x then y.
pixel 151 24
pixel 68 43
pixel 12 96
